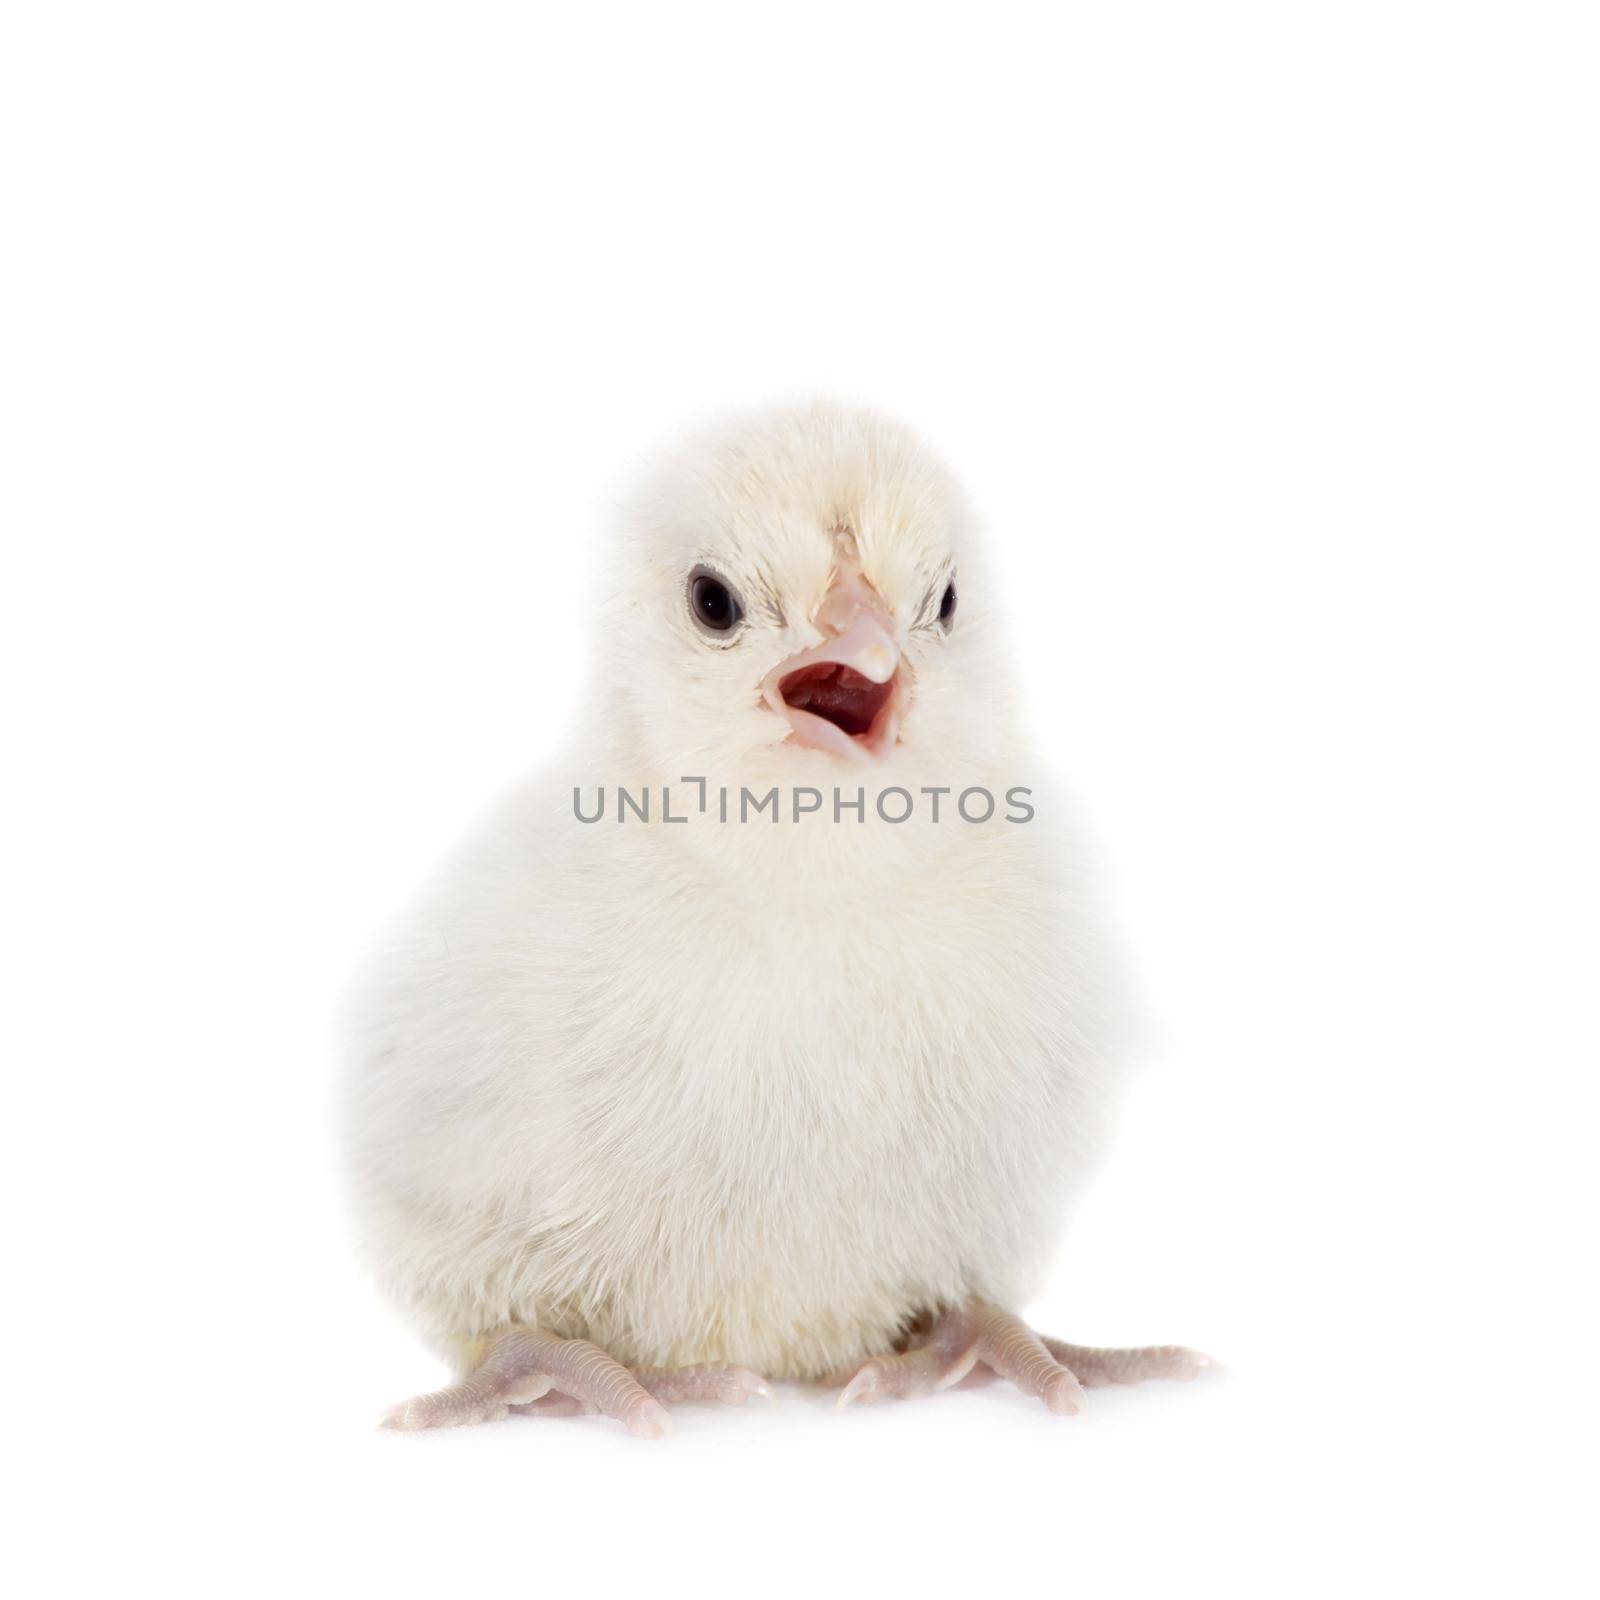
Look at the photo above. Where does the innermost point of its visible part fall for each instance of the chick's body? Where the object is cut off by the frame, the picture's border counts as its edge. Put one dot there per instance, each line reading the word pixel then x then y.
pixel 763 1090
pixel 695 1122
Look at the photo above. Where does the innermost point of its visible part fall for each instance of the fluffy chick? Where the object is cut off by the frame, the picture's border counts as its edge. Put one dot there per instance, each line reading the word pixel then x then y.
pixel 650 1110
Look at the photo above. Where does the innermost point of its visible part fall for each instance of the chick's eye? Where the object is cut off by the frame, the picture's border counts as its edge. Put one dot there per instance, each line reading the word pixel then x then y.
pixel 947 606
pixel 712 603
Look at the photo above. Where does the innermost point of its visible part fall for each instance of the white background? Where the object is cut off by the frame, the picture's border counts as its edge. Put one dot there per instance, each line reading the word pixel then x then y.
pixel 1265 335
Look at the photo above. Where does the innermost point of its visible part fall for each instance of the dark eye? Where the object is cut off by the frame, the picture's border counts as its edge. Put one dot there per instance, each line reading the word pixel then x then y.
pixel 714 605
pixel 947 606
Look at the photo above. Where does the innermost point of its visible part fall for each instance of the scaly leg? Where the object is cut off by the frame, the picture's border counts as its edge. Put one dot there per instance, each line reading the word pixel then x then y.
pixel 528 1370
pixel 1056 1373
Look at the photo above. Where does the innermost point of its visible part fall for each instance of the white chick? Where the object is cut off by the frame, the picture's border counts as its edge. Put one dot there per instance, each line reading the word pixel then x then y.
pixel 643 1110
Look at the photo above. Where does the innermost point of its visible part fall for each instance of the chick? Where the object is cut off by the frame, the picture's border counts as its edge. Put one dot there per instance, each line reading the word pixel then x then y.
pixel 716 1088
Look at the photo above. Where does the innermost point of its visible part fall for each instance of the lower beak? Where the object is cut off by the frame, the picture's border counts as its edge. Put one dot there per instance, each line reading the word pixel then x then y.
pixel 848 694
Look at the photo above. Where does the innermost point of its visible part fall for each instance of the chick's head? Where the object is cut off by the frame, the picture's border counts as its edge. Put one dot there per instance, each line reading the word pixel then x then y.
pixel 799 594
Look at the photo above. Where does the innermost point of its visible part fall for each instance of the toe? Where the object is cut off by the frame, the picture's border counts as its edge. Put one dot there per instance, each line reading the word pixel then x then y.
pixel 647 1418
pixel 1097 1368
pixel 446 1409
pixel 910 1375
pixel 733 1386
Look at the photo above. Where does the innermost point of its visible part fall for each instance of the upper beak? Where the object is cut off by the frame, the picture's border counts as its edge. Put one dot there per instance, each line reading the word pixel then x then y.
pixel 848 693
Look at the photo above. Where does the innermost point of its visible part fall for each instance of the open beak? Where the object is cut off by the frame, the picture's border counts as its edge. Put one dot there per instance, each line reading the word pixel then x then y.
pixel 849 693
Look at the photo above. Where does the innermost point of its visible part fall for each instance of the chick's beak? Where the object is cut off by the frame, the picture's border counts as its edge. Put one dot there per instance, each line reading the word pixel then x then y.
pixel 848 694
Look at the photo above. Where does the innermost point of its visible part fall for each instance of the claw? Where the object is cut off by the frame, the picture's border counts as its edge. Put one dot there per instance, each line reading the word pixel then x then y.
pixel 866 1386
pixel 745 1385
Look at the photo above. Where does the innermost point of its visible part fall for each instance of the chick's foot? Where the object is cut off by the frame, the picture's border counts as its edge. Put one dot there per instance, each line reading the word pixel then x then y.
pixel 1054 1372
pixel 534 1373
